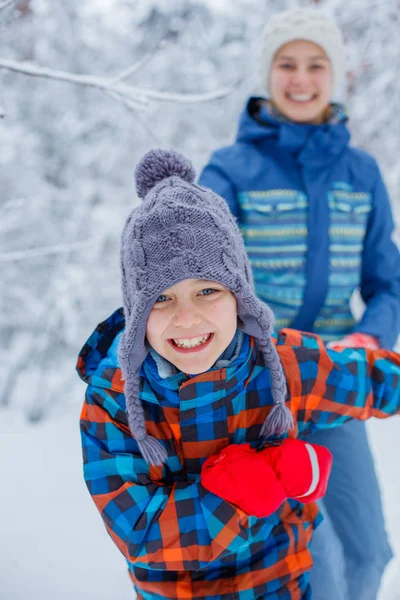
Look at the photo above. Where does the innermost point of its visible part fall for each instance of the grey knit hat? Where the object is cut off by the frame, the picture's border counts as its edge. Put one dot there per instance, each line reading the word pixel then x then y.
pixel 184 231
pixel 309 24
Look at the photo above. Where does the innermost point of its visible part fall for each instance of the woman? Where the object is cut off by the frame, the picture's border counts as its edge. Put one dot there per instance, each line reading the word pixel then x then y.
pixel 317 224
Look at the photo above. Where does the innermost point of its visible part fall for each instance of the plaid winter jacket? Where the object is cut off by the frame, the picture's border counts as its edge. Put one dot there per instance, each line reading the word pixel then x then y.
pixel 179 540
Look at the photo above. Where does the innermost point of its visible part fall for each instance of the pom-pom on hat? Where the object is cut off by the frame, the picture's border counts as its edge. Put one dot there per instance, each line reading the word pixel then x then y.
pixel 312 25
pixel 159 165
pixel 184 231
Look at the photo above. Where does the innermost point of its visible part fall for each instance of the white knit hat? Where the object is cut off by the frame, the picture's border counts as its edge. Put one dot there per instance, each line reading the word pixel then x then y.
pixel 303 24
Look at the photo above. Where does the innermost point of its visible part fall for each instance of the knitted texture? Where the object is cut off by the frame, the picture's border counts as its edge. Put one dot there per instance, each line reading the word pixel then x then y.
pixel 308 24
pixel 184 231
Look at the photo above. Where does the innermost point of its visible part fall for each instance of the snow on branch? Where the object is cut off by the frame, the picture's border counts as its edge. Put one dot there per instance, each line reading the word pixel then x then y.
pixel 86 80
pixel 139 64
pixel 131 95
pixel 47 250
pixel 7 3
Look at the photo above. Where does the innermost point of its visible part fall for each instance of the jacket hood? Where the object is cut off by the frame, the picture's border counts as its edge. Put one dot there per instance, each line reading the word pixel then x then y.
pixel 317 143
pixel 98 360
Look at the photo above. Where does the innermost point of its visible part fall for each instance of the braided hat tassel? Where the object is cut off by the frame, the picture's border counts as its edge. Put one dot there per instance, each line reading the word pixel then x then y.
pixel 279 419
pixel 151 449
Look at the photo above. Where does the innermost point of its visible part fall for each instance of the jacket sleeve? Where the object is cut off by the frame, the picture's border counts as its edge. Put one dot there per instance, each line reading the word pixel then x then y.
pixel 380 280
pixel 176 527
pixel 216 177
pixel 328 388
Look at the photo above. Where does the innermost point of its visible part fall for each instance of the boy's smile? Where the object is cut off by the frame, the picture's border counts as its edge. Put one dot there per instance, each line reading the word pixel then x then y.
pixel 194 344
pixel 192 323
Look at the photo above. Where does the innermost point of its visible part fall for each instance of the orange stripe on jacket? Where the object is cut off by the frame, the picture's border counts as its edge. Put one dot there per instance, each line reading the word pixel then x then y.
pixel 97 414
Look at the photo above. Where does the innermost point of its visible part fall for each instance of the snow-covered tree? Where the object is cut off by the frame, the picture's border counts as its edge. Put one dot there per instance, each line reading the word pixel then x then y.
pixel 69 148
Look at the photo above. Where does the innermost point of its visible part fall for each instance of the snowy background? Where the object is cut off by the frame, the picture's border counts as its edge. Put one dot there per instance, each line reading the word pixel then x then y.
pixel 86 87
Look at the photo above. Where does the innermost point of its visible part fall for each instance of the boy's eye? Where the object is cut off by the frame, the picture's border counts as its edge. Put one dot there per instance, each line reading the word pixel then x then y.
pixel 161 298
pixel 208 291
pixel 316 67
pixel 286 66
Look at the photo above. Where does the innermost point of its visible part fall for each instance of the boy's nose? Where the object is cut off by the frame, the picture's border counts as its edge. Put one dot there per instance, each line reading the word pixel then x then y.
pixel 186 316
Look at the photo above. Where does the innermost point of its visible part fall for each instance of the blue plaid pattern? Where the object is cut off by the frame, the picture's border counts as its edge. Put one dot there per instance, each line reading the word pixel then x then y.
pixel 179 540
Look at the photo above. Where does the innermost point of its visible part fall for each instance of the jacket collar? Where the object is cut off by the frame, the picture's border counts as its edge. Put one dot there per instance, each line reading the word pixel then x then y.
pixel 310 144
pixel 179 384
pixel 98 365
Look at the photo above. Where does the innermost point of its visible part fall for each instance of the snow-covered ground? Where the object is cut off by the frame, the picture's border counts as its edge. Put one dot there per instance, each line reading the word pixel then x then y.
pixel 53 542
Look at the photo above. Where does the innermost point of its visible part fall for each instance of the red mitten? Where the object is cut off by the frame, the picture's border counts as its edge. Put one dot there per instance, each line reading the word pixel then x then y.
pixel 355 340
pixel 240 475
pixel 303 469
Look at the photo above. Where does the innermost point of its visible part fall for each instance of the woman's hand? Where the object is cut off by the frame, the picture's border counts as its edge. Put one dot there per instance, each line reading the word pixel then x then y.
pixel 355 340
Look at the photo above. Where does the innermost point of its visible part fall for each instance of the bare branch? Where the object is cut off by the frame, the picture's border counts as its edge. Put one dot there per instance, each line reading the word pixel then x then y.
pixel 47 250
pixel 190 98
pixel 132 69
pixel 124 100
pixel 86 80
pixel 135 95
pixel 7 3
pixel 138 64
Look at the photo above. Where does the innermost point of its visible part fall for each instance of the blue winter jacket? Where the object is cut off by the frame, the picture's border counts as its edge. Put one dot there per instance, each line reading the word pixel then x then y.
pixel 316 221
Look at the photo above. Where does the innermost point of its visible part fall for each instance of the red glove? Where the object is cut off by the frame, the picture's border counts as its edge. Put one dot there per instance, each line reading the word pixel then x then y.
pixel 241 476
pixel 303 469
pixel 355 340
pixel 258 481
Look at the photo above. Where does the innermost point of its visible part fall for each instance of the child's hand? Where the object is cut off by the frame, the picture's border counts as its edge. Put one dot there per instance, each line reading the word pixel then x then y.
pixel 355 340
pixel 240 475
pixel 258 481
pixel 302 469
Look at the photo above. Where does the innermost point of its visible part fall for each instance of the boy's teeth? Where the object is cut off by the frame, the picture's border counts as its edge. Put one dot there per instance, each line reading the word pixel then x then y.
pixel 192 343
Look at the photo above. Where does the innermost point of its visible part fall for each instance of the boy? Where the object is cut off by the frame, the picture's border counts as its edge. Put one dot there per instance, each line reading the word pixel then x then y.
pixel 192 408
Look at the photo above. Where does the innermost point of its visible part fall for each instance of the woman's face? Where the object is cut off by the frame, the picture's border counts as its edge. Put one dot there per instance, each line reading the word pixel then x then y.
pixel 300 81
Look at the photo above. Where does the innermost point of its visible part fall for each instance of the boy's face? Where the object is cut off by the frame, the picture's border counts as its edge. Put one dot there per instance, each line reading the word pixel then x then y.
pixel 192 323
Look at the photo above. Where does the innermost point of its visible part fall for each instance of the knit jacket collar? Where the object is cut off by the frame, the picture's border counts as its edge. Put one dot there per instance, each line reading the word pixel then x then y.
pixel 315 144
